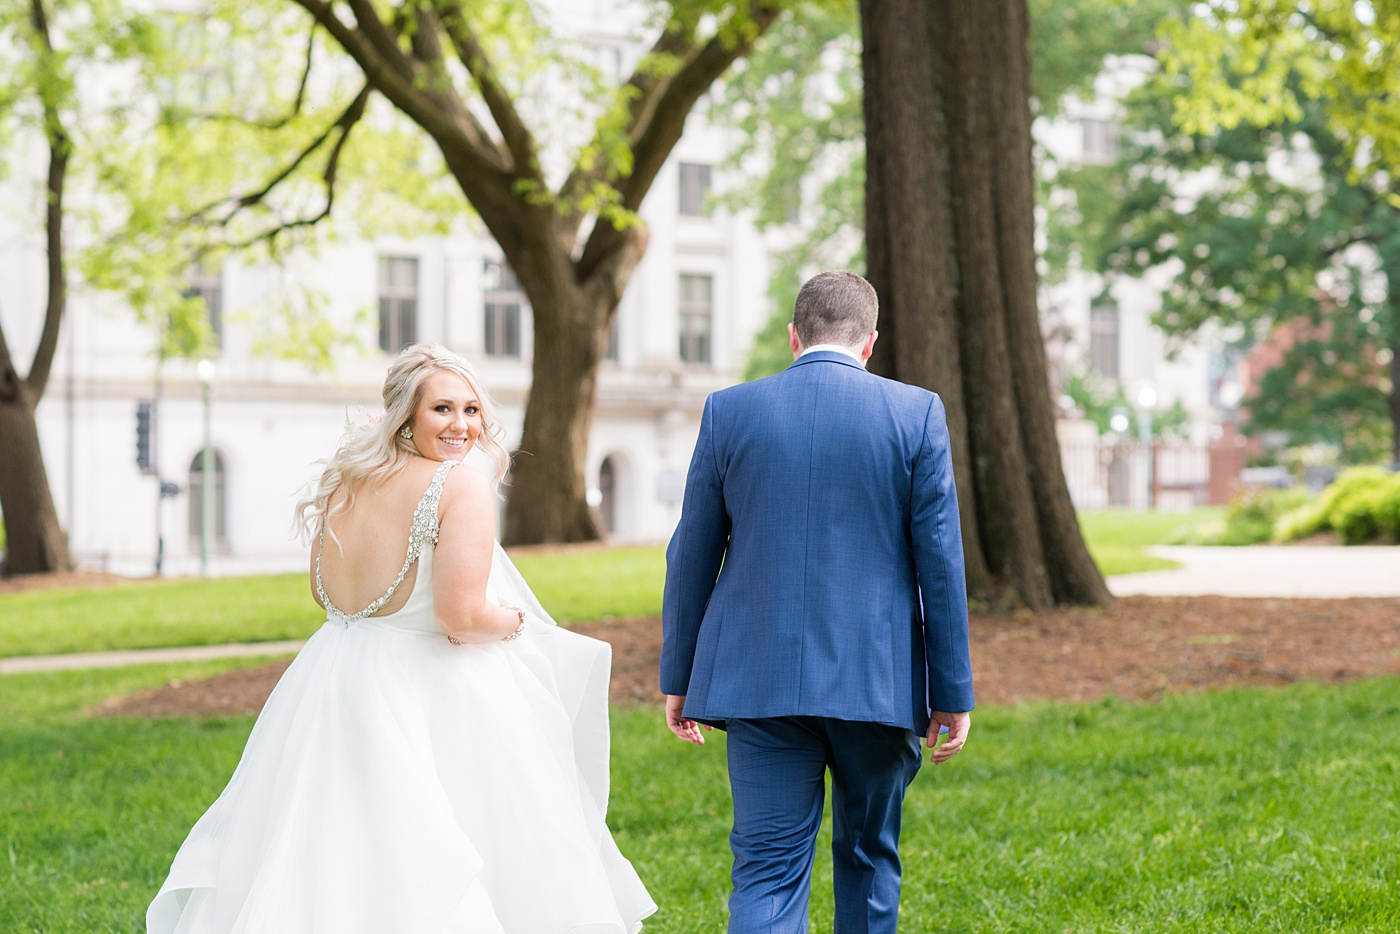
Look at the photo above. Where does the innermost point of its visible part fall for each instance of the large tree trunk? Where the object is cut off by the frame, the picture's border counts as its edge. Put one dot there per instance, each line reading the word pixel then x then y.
pixel 1073 576
pixel 950 239
pixel 918 288
pixel 34 542
pixel 572 322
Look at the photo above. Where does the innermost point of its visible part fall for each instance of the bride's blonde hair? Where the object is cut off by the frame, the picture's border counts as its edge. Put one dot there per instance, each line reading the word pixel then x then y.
pixel 370 454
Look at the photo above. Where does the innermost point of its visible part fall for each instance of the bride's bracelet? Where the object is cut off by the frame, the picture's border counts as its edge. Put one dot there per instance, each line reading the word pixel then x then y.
pixel 518 629
pixel 508 638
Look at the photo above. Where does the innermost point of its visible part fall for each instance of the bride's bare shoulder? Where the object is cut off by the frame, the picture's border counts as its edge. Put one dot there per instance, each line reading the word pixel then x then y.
pixel 465 485
pixel 465 490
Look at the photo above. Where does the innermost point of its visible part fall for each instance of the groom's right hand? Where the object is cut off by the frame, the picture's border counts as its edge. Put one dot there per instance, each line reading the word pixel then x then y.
pixel 958 724
pixel 687 730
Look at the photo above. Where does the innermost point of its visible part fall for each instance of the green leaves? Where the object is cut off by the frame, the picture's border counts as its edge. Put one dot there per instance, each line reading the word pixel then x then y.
pixel 1070 40
pixel 1260 61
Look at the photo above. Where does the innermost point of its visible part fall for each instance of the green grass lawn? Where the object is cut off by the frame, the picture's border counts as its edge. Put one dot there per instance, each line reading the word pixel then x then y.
pixel 1238 811
pixel 157 613
pixel 1118 538
pixel 595 583
pixel 574 584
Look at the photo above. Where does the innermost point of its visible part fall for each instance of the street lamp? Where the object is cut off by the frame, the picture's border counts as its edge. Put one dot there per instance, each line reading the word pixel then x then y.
pixel 1145 395
pixel 204 371
pixel 1118 421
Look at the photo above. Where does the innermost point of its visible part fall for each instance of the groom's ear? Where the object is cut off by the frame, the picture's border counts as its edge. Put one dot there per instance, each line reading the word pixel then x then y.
pixel 793 341
pixel 869 347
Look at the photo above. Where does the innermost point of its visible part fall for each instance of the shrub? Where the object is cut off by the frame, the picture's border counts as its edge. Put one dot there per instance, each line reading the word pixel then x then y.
pixel 1355 519
pixel 1348 484
pixel 1305 520
pixel 1362 505
pixel 1373 513
pixel 1388 510
pixel 1252 514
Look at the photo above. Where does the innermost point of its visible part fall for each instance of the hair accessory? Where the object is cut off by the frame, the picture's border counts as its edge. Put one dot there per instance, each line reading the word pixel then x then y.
pixel 406 432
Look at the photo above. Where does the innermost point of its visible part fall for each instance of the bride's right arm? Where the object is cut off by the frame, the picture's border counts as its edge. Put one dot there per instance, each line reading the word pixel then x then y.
pixel 462 561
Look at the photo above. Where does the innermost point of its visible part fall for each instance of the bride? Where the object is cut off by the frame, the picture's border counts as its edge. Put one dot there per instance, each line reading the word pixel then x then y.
pixel 436 757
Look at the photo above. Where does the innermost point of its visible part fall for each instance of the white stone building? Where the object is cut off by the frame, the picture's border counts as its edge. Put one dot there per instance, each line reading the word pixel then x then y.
pixel 1109 333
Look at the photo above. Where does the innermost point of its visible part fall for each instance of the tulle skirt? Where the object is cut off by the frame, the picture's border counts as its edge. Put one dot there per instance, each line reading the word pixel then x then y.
pixel 396 784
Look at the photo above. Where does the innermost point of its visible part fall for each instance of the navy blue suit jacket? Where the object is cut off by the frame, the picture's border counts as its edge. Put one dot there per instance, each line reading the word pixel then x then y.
pixel 817 569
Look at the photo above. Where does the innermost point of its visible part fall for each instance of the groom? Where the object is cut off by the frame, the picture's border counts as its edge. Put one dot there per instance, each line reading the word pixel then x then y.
pixel 816 609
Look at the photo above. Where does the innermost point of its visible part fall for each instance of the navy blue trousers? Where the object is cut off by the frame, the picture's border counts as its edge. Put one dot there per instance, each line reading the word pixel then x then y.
pixel 777 767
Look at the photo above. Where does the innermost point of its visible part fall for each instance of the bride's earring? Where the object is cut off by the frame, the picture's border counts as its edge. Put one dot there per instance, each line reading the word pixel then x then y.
pixel 406 432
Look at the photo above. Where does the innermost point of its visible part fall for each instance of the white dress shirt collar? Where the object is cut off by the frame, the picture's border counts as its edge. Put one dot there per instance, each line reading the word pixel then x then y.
pixel 836 347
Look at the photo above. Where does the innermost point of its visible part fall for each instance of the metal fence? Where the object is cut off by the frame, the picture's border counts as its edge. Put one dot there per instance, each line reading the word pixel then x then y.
pixel 1161 475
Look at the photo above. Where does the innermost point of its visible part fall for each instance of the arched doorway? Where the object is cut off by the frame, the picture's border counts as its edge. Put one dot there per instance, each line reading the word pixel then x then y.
pixel 607 486
pixel 196 500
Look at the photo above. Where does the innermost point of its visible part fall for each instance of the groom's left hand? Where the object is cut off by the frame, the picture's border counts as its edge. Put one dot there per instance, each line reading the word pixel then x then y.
pixel 687 730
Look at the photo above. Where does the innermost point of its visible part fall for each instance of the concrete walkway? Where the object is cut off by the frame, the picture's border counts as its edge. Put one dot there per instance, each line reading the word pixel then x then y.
pixel 1270 571
pixel 191 653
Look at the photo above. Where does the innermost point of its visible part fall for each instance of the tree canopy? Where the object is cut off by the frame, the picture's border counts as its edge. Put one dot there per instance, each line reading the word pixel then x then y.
pixel 1260 62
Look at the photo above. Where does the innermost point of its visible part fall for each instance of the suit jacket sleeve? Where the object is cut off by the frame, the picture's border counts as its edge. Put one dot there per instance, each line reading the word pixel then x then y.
pixel 938 558
pixel 693 560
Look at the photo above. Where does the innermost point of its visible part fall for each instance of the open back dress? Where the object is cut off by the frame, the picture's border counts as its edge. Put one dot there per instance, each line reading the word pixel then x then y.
pixel 395 783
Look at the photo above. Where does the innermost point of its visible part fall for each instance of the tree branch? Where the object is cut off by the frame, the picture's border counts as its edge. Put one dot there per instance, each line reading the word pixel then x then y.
pixel 518 140
pixel 661 123
pixel 427 48
pixel 441 113
pixel 643 90
pixel 280 122
pixel 60 146
pixel 377 34
pixel 342 126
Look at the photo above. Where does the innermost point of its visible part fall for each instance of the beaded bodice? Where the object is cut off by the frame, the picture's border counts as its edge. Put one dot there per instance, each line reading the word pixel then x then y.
pixel 423 533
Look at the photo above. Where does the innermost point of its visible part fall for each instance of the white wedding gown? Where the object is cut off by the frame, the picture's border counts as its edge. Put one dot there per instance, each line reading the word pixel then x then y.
pixel 397 784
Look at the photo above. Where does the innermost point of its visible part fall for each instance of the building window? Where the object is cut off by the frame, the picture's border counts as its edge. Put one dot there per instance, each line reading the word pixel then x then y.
pixel 695 190
pixel 1100 140
pixel 607 495
pixel 196 489
pixel 696 318
pixel 610 352
pixel 503 300
pixel 206 283
pixel 1103 339
pixel 398 302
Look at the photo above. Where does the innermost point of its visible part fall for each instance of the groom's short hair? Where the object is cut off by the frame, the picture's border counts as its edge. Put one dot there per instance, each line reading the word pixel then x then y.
pixel 835 308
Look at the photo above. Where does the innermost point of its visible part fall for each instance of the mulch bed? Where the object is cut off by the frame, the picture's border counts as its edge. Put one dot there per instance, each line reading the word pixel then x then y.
pixel 1141 649
pixel 67 579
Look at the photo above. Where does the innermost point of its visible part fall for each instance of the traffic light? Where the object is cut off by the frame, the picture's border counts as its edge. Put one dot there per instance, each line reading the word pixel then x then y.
pixel 143 436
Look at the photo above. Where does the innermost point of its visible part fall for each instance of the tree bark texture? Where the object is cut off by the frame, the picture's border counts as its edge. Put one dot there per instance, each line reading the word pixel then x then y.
pixel 950 239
